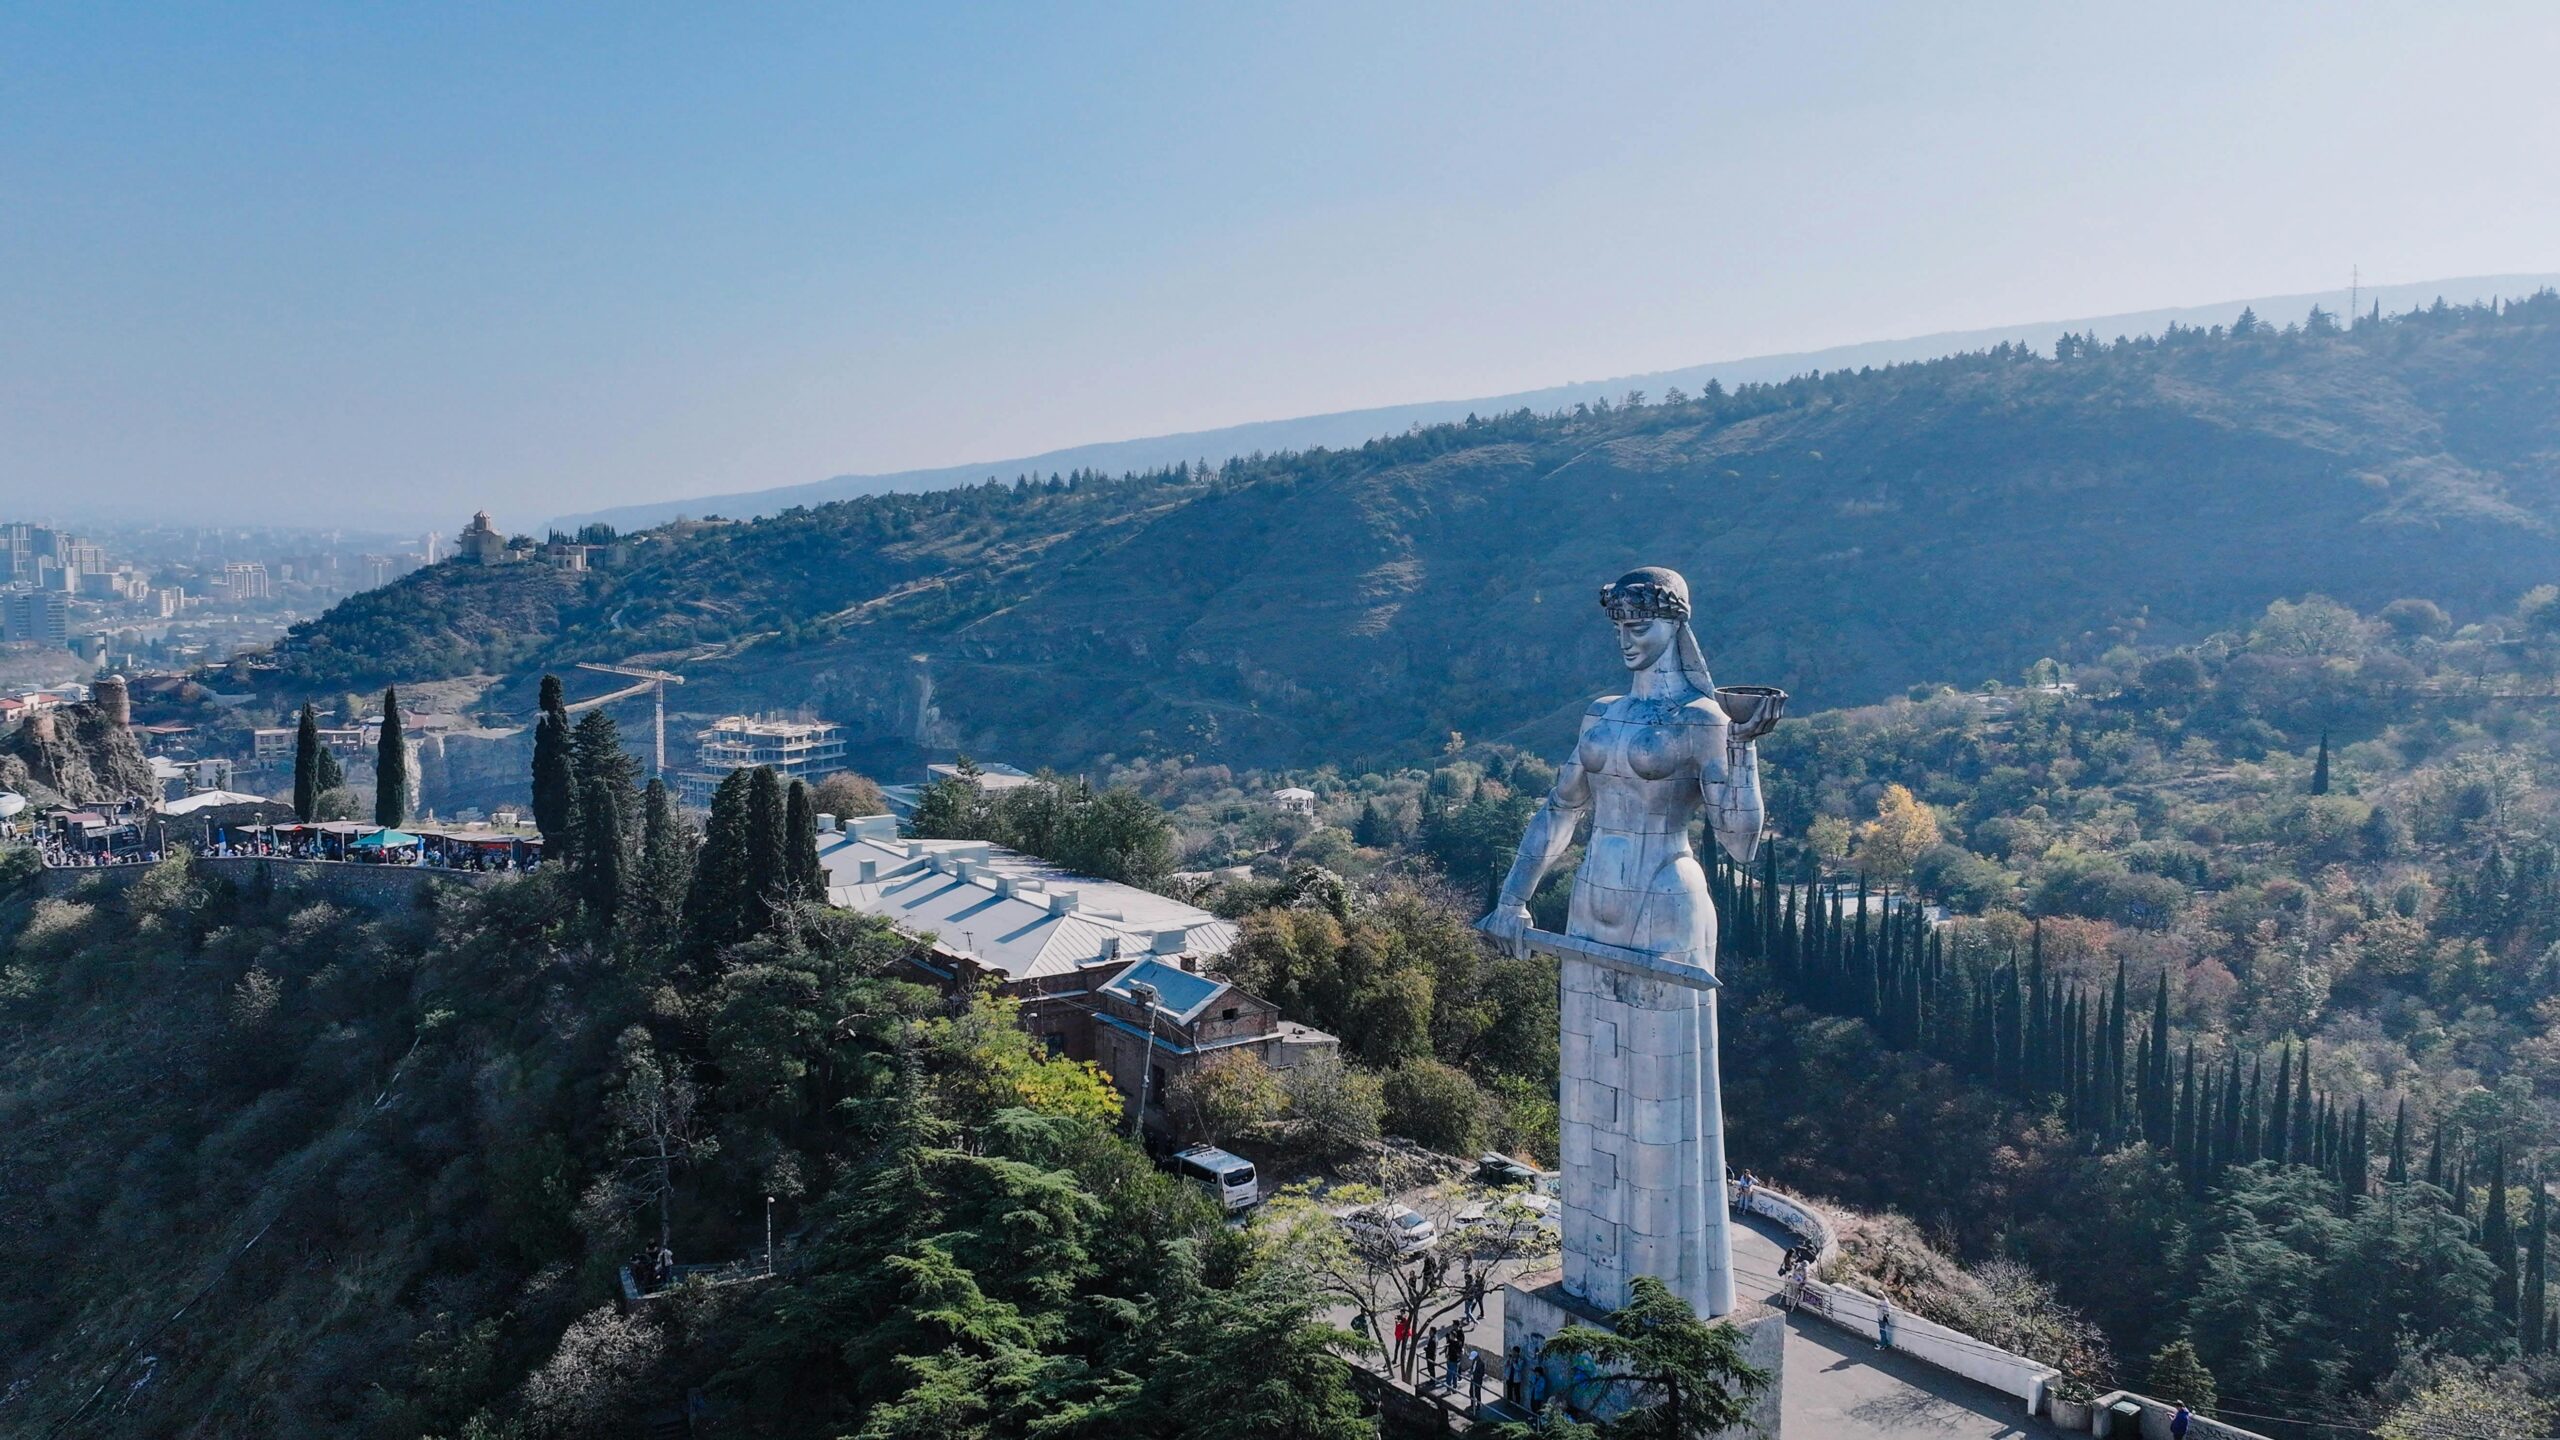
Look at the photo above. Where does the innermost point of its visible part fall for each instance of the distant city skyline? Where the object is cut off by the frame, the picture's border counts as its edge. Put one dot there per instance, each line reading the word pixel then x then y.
pixel 381 267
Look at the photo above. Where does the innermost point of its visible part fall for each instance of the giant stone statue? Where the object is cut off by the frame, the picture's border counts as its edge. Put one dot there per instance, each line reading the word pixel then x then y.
pixel 1643 1125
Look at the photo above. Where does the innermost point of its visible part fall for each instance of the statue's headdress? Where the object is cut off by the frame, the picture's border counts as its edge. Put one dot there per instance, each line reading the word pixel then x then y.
pixel 1651 593
pixel 1655 593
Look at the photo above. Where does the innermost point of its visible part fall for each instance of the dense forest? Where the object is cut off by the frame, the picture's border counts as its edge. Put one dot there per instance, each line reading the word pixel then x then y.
pixel 1846 534
pixel 284 1167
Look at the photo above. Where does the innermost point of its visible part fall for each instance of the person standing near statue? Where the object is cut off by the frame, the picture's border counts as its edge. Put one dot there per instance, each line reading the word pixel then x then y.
pixel 1641 1107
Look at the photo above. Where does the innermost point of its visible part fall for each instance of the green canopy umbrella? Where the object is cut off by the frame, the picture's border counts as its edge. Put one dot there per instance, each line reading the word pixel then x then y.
pixel 386 840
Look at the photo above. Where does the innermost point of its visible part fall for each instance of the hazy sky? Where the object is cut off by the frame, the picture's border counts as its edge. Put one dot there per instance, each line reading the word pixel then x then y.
pixel 361 261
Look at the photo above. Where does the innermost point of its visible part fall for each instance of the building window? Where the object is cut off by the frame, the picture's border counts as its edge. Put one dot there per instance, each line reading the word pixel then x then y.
pixel 1227 1014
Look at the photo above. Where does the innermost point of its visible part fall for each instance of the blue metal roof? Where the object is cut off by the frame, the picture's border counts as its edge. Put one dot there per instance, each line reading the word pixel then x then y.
pixel 1179 992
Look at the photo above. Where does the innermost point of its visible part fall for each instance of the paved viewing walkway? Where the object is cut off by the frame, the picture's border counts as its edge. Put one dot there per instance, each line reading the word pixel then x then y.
pixel 1840 1385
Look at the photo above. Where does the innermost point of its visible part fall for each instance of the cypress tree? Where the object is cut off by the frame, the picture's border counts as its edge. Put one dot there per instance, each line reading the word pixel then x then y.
pixel 2533 1307
pixel 2111 1115
pixel 2320 767
pixel 2253 1141
pixel 600 852
pixel 2398 1174
pixel 665 866
pixel 2228 1120
pixel 391 767
pixel 2227 1149
pixel 2435 1155
pixel 716 907
pixel 768 874
pixel 2498 1238
pixel 1769 903
pixel 807 876
pixel 2157 1119
pixel 2039 1060
pixel 2182 1128
pixel 2278 1136
pixel 2007 1034
pixel 2359 1166
pixel 555 781
pixel 2304 1138
pixel 306 764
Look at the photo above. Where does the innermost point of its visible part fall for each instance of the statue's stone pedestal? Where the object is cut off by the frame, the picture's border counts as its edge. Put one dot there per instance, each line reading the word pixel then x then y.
pixel 1535 1307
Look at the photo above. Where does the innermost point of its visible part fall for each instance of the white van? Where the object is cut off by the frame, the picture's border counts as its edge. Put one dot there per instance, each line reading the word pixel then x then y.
pixel 1229 1177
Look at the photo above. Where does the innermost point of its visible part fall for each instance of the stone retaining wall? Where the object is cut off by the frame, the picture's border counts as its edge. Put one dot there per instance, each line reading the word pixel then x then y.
pixel 2155 1420
pixel 1927 1341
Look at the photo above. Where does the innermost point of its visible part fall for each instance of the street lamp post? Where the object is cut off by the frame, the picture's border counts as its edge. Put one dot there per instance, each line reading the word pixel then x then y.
pixel 768 1234
pixel 1146 995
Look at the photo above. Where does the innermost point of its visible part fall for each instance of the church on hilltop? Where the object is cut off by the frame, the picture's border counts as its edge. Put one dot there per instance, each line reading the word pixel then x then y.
pixel 481 544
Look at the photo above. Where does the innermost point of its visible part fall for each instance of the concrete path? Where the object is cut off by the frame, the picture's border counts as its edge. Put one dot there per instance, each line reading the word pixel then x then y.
pixel 1840 1387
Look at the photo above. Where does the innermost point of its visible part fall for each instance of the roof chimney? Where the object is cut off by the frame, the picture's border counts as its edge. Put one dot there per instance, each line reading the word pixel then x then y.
pixel 1064 902
pixel 1170 942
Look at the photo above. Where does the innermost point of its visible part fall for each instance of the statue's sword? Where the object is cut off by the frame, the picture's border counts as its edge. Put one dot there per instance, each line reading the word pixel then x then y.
pixel 1619 958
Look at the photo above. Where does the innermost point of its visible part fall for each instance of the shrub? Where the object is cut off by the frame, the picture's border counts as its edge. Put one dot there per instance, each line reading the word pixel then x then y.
pixel 1436 1105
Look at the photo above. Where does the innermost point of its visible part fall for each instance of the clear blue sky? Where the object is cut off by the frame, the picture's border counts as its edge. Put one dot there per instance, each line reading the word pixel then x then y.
pixel 366 260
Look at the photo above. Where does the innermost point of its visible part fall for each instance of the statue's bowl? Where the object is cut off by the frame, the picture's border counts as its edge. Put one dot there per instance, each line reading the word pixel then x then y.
pixel 1753 709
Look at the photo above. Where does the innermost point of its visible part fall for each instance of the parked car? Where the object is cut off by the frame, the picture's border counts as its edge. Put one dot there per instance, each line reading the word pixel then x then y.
pixel 1517 1216
pixel 1499 1169
pixel 1392 1226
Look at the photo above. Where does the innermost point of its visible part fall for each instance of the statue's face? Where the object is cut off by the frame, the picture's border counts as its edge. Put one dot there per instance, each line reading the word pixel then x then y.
pixel 1643 641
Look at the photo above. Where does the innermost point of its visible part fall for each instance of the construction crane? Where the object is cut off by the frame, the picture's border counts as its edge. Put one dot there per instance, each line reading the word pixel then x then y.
pixel 654 681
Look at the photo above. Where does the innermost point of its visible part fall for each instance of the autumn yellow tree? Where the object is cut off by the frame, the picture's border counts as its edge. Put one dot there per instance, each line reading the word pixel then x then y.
pixel 1902 832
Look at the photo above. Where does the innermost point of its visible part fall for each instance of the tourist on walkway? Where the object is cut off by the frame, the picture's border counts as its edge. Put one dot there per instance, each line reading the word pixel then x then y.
pixel 1457 1357
pixel 1475 1385
pixel 1404 1332
pixel 1884 1324
pixel 1515 1371
pixel 2178 1423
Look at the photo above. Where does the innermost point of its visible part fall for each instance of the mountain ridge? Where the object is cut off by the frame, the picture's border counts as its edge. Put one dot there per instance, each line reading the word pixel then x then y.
pixel 1336 429
pixel 1845 537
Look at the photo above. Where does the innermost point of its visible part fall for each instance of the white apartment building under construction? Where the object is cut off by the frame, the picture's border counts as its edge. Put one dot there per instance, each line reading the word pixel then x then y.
pixel 796 749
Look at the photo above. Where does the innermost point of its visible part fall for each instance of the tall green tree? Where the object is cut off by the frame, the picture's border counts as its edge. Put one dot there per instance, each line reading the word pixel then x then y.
pixel 601 849
pixel 2498 1239
pixel 391 767
pixel 768 872
pixel 806 876
pixel 664 867
pixel 596 753
pixel 2533 1308
pixel 307 751
pixel 721 901
pixel 555 776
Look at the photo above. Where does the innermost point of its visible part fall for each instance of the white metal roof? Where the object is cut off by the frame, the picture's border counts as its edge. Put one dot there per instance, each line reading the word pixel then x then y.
pixel 1007 911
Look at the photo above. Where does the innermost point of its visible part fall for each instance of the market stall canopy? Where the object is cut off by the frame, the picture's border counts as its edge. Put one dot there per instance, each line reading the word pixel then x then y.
pixel 208 799
pixel 386 840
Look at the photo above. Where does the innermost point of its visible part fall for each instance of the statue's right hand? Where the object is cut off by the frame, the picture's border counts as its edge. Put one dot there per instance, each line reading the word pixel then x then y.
pixel 1509 926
